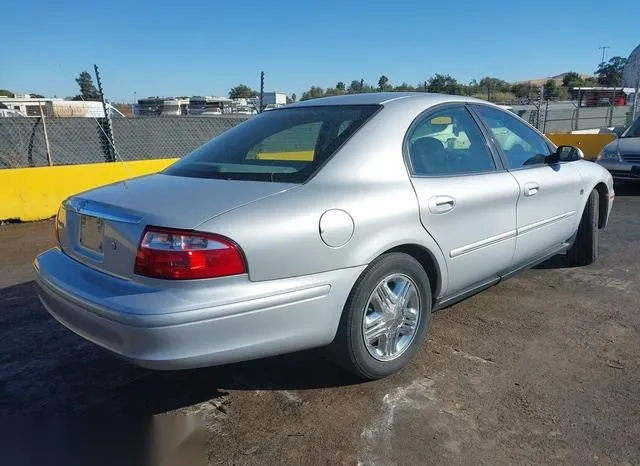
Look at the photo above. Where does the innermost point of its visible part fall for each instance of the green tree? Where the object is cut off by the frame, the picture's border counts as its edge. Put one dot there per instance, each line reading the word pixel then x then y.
pixel 572 79
pixel 7 93
pixel 355 86
pixel 341 87
pixel 472 88
pixel 293 97
pixel 610 74
pixel 404 87
pixel 522 90
pixel 313 93
pixel 87 90
pixel 445 84
pixel 36 96
pixel 494 84
pixel 242 91
pixel 550 90
pixel 383 83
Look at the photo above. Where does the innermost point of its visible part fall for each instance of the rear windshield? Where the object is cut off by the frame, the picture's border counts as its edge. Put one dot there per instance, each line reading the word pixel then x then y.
pixel 284 145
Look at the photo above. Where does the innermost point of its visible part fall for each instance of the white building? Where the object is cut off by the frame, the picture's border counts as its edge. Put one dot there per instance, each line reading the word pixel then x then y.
pixel 270 100
pixel 34 107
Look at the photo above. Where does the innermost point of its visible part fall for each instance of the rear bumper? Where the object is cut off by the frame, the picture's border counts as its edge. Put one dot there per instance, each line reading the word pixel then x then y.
pixel 259 320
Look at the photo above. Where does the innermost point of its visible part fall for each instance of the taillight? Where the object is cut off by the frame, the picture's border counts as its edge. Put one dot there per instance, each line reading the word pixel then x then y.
pixel 184 255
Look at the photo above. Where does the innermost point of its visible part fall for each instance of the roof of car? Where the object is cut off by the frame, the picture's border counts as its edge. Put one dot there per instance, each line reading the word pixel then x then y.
pixel 382 98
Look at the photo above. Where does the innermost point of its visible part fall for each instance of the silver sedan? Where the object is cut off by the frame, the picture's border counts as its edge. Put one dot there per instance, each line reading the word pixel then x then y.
pixel 340 222
pixel 622 156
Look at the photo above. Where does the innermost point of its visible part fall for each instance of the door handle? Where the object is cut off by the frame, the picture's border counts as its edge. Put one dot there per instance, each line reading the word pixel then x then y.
pixel 441 204
pixel 531 189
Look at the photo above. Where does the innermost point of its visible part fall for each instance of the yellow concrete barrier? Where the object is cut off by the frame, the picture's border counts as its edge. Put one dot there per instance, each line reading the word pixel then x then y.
pixel 36 193
pixel 591 144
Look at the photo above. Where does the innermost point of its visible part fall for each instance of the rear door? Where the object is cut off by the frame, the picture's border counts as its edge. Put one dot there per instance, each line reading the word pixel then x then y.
pixel 549 195
pixel 467 200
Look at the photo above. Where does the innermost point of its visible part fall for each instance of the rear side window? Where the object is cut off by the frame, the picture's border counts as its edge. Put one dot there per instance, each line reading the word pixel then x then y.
pixel 448 142
pixel 286 145
pixel 521 145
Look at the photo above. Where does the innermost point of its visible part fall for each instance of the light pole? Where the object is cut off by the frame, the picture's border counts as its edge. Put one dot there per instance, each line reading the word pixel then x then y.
pixel 603 48
pixel 133 106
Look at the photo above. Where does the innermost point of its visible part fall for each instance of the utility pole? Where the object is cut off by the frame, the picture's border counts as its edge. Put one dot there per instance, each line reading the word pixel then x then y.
pixel 603 48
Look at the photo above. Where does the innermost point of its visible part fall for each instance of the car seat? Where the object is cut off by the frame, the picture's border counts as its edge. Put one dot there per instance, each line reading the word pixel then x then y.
pixel 428 155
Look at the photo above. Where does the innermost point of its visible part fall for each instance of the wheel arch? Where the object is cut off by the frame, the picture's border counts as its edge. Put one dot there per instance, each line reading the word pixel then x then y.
pixel 428 262
pixel 603 204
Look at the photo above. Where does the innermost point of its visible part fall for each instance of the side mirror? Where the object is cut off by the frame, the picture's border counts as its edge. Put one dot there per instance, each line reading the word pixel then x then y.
pixel 565 154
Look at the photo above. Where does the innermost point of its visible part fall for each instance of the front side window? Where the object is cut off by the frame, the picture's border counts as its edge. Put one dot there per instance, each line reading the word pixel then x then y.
pixel 448 142
pixel 521 145
pixel 285 145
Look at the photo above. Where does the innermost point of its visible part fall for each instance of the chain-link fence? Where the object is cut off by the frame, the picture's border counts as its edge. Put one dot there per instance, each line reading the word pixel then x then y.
pixel 567 116
pixel 34 142
pixel 42 141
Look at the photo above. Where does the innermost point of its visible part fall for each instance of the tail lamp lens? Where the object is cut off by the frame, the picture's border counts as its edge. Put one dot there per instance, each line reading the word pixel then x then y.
pixel 185 255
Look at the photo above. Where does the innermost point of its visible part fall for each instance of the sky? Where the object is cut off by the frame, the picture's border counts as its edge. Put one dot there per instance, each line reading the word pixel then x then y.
pixel 206 47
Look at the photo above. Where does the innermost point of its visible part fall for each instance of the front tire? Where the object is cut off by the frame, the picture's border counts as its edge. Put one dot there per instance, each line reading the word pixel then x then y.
pixel 386 317
pixel 585 247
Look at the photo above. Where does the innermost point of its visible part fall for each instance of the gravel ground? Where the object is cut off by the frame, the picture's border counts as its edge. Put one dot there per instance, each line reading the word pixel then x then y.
pixel 543 368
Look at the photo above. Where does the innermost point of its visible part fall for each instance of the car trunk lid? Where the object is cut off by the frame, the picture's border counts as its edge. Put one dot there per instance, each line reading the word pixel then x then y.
pixel 102 227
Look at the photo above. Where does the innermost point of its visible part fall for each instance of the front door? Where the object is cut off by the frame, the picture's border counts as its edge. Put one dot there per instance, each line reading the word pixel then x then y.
pixel 549 195
pixel 467 200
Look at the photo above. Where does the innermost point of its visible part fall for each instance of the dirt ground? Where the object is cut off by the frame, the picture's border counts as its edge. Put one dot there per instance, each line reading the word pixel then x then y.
pixel 543 368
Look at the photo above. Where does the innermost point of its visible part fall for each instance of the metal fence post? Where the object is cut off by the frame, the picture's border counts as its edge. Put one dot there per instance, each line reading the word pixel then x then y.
pixel 635 98
pixel 46 135
pixel 544 122
pixel 613 106
pixel 261 92
pixel 539 107
pixel 578 110
pixel 107 128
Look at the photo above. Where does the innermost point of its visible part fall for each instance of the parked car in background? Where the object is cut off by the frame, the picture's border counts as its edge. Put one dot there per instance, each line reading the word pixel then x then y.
pixel 342 221
pixel 622 156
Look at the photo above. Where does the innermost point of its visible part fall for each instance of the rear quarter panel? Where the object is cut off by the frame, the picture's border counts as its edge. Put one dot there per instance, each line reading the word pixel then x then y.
pixel 280 236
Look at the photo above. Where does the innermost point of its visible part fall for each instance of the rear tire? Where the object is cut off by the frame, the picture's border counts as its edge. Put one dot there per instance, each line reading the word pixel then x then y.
pixel 585 247
pixel 354 348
